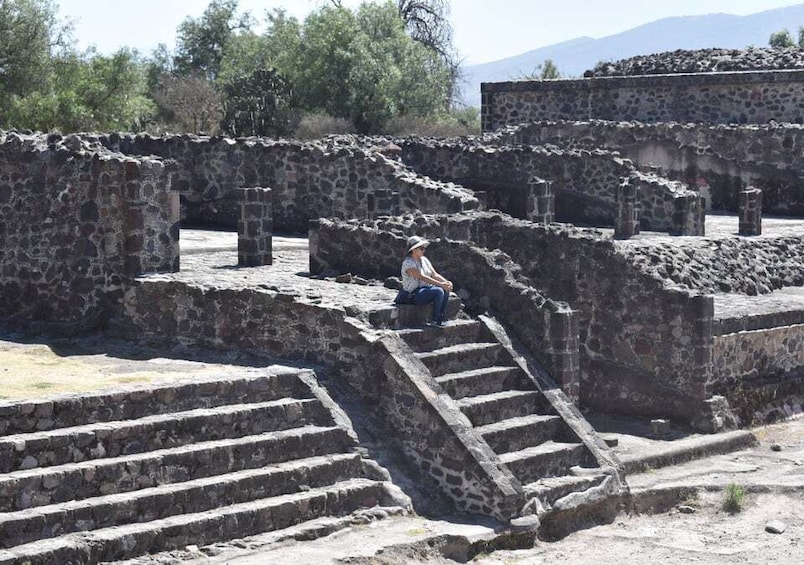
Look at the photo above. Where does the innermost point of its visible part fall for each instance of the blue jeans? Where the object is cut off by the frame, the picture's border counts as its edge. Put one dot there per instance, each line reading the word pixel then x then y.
pixel 435 294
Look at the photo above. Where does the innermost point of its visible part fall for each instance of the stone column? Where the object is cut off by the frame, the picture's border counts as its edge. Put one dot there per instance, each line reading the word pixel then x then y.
pixel 564 351
pixel 751 211
pixel 689 216
pixel 486 119
pixel 255 228
pixel 540 204
pixel 627 222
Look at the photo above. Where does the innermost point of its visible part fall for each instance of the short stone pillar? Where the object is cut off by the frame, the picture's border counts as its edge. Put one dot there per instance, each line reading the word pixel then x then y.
pixel 626 224
pixel 689 215
pixel 540 204
pixel 563 349
pixel 255 228
pixel 751 211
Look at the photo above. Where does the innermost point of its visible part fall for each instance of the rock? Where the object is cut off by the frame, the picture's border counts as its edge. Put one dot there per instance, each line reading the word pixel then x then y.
pixel 775 527
pixel 776 447
pixel 685 509
pixel 526 523
pixel 28 463
pixel 660 427
pixel 344 278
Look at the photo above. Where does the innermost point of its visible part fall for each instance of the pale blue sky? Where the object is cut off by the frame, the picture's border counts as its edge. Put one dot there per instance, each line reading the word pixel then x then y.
pixel 485 30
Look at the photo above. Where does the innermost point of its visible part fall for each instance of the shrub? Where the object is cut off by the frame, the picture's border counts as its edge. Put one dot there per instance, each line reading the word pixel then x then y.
pixel 315 126
pixel 735 495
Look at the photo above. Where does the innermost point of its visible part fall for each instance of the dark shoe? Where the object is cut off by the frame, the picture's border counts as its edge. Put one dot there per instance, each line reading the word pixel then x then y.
pixel 434 324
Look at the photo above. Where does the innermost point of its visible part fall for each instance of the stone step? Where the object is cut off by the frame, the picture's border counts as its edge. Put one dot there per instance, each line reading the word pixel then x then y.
pixel 203 528
pixel 549 459
pixel 411 315
pixel 487 380
pixel 519 433
pixel 453 333
pixel 461 357
pixel 113 439
pixel 550 489
pixel 155 503
pixel 50 485
pixel 19 417
pixel 491 408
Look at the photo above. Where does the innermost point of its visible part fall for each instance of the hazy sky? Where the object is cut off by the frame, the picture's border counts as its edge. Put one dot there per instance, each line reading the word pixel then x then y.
pixel 485 30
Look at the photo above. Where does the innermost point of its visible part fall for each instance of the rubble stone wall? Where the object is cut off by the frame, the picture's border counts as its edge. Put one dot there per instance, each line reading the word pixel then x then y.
pixel 715 98
pixel 307 180
pixel 644 348
pixel 75 225
pixel 757 357
pixel 717 160
pixel 584 181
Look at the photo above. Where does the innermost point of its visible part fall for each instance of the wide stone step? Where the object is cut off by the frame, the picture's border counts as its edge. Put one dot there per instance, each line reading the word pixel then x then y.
pixel 113 439
pixel 519 433
pixel 453 333
pixel 50 485
pixel 198 495
pixel 462 357
pixel 549 459
pixel 491 408
pixel 487 380
pixel 551 489
pixel 77 410
pixel 204 528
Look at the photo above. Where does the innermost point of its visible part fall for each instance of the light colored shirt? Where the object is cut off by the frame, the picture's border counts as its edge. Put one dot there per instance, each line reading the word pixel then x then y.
pixel 410 283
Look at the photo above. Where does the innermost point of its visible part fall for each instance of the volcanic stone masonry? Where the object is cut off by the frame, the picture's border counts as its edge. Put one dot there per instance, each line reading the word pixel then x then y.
pixel 76 225
pixel 713 98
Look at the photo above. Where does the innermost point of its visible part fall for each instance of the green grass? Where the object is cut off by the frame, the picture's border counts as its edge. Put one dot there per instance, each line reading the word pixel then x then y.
pixel 735 496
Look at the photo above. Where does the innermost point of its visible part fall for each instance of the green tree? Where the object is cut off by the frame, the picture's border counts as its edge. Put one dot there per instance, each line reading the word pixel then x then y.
pixel 362 66
pixel 548 70
pixel 87 92
pixel 781 39
pixel 29 33
pixel 202 43
pixel 545 71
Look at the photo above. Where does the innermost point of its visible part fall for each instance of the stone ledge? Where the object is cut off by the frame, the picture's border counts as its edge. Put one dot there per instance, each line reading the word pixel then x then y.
pixel 411 315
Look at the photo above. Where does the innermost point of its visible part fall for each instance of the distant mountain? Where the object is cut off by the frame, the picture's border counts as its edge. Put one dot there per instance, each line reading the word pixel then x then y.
pixel 689 32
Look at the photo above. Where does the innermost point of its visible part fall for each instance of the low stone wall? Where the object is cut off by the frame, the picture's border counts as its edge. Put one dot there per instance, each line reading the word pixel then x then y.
pixel 75 225
pixel 644 348
pixel 716 160
pixel 308 180
pixel 760 356
pixel 715 98
pixel 286 326
pixel 584 181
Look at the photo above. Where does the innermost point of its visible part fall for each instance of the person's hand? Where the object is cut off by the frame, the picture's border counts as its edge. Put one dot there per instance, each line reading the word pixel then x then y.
pixel 447 286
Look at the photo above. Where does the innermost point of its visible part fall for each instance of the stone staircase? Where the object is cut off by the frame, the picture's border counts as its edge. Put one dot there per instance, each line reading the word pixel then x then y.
pixel 114 475
pixel 506 408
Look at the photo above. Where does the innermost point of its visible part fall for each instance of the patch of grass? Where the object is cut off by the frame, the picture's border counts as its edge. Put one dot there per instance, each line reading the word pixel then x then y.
pixel 43 385
pixel 735 496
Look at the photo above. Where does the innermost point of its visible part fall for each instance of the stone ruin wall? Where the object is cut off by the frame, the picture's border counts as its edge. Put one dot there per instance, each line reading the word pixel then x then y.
pixel 308 180
pixel 644 348
pixel 76 225
pixel 717 160
pixel 584 181
pixel 714 98
pixel 749 352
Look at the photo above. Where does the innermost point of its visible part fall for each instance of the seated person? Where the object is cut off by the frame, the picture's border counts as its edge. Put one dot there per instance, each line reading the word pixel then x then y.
pixel 421 281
